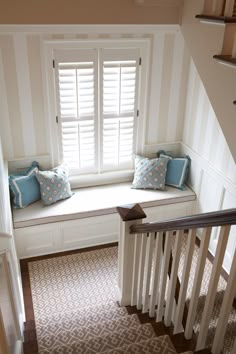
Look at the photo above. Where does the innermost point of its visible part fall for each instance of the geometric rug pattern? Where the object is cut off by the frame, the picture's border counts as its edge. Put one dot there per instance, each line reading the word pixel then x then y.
pixel 75 309
pixel 76 312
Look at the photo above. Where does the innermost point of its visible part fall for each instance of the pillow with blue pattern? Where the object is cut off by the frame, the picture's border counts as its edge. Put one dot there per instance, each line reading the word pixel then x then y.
pixel 24 186
pixel 177 169
pixel 149 173
pixel 54 185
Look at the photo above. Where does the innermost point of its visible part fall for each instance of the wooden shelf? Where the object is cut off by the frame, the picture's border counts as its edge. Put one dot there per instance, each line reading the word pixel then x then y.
pixel 227 59
pixel 219 19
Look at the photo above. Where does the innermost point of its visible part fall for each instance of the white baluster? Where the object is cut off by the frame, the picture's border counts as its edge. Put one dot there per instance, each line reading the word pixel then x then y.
pixel 156 273
pixel 225 309
pixel 229 7
pixel 197 282
pixel 234 347
pixel 164 272
pixel 141 271
pixel 184 281
pixel 215 274
pixel 213 7
pixel 173 278
pixel 137 244
pixel 147 272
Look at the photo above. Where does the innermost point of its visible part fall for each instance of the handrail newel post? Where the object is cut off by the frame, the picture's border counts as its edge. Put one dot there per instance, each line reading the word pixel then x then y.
pixel 130 214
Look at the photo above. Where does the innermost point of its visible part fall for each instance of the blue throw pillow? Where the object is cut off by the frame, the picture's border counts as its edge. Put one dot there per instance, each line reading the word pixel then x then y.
pixel 54 185
pixel 177 170
pixel 149 173
pixel 24 187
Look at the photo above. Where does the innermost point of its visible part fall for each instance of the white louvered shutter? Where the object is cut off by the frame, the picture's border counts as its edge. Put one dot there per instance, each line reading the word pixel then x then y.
pixel 119 110
pixel 97 106
pixel 77 108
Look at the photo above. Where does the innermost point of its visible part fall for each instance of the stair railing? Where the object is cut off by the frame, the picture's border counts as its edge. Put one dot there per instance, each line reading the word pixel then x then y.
pixel 220 8
pixel 149 255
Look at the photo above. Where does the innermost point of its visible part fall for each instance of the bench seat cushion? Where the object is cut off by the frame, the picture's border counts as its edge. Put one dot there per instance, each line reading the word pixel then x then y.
pixel 95 201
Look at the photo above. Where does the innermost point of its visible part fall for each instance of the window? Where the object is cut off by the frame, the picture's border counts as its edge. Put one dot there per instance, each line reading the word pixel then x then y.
pixel 97 94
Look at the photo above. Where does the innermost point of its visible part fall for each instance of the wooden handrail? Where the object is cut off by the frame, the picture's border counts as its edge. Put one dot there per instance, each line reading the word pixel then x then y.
pixel 216 218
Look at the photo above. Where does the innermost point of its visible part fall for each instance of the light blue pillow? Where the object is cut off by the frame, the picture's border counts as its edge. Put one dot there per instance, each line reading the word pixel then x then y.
pixel 149 173
pixel 54 185
pixel 24 187
pixel 177 170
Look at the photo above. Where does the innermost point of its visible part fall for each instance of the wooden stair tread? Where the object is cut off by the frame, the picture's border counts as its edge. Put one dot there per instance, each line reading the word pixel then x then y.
pixel 225 58
pixel 222 19
pixel 30 347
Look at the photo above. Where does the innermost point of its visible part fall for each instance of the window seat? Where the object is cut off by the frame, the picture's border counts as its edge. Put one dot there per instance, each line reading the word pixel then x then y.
pixel 95 201
pixel 89 217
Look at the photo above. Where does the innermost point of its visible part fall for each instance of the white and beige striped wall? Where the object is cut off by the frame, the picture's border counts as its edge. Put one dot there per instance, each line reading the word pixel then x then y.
pixel 23 110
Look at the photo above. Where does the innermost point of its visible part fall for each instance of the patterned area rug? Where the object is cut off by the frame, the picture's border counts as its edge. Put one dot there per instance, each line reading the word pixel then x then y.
pixel 75 309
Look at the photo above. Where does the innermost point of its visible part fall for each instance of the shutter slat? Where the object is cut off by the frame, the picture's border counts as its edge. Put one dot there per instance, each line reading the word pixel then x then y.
pixel 77 107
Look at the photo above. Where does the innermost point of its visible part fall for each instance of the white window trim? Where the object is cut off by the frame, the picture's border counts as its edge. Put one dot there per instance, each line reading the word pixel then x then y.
pixel 49 46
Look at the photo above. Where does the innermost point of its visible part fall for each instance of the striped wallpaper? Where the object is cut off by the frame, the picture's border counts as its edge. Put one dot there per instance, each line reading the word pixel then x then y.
pixel 23 114
pixel 202 132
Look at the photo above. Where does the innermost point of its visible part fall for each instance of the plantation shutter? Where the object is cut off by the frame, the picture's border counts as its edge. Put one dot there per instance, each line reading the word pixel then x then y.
pixel 77 109
pixel 97 92
pixel 119 108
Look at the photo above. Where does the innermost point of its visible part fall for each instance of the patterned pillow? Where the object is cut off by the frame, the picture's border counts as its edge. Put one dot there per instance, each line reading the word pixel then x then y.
pixel 54 185
pixel 149 173
pixel 177 169
pixel 24 187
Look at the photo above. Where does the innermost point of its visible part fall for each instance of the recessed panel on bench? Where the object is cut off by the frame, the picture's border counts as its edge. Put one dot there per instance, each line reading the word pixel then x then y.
pixel 170 211
pixel 90 231
pixel 34 241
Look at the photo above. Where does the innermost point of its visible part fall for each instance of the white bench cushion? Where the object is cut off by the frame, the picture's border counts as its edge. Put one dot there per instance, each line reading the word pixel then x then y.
pixel 95 201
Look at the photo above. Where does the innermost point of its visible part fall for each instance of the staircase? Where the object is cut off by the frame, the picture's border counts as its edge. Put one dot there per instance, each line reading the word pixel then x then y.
pixel 149 278
pixel 75 309
pixel 105 329
pixel 209 30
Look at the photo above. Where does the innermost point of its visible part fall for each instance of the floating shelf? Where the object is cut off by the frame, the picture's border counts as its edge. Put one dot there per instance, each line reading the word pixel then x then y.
pixel 227 59
pixel 219 19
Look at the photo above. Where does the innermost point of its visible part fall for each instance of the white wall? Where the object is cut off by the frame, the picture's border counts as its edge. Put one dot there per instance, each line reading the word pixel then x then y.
pixel 8 243
pixel 205 40
pixel 23 112
pixel 213 170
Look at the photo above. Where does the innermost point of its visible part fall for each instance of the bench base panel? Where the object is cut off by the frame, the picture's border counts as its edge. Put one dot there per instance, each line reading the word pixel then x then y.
pixel 92 231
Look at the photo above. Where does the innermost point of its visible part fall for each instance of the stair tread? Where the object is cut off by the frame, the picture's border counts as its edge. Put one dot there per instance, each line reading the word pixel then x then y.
pixel 226 58
pixel 74 332
pixel 223 19
pixel 82 317
pixel 158 345
pixel 105 343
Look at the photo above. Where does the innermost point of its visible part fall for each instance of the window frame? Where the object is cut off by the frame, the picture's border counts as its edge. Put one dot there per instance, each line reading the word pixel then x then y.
pixel 49 46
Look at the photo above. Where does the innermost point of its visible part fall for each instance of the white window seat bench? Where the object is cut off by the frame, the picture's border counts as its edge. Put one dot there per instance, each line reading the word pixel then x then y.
pixel 89 217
